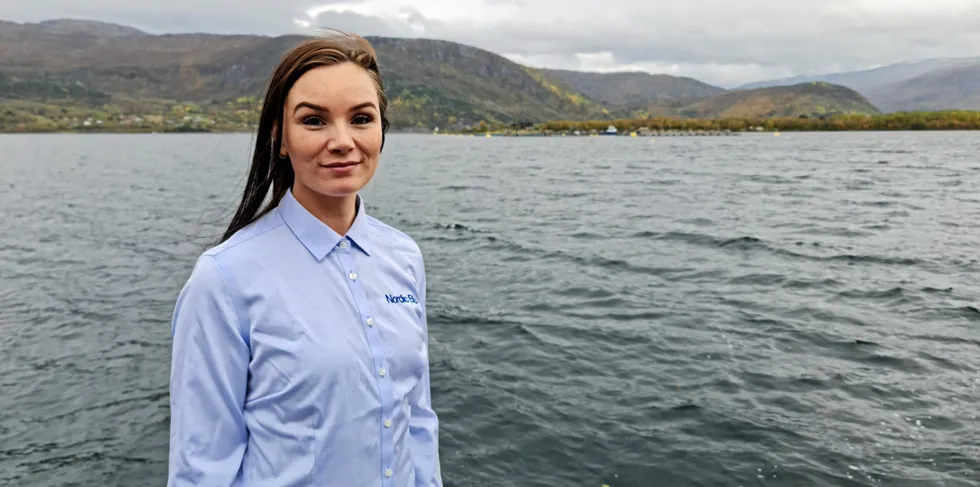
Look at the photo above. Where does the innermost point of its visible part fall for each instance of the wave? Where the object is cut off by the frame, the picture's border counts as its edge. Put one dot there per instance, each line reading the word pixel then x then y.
pixel 750 244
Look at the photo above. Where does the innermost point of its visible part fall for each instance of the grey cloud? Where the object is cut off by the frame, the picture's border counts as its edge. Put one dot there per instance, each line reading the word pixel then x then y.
pixel 360 24
pixel 802 44
pixel 807 41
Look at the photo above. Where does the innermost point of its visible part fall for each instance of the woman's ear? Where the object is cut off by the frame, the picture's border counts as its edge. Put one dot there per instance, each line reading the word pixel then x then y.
pixel 276 136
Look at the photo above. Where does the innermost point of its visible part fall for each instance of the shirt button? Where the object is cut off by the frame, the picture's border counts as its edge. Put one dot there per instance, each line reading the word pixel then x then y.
pixel 370 321
pixel 344 244
pixel 352 275
pixel 382 372
pixel 387 423
pixel 388 473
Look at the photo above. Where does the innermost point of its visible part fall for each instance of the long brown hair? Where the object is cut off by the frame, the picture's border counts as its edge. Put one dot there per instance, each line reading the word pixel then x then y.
pixel 267 170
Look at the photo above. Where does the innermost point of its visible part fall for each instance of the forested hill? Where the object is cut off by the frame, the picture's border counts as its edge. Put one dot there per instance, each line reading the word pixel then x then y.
pixel 63 67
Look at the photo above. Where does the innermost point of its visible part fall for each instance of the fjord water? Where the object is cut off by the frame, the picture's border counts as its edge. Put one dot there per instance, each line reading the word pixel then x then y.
pixel 798 310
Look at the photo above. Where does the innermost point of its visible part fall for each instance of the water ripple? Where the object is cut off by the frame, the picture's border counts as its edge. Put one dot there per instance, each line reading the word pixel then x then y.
pixel 700 311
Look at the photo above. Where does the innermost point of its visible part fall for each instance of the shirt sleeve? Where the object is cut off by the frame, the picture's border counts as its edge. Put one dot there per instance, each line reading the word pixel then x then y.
pixel 208 381
pixel 423 426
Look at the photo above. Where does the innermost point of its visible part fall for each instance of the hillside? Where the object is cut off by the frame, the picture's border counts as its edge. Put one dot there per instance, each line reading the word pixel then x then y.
pixel 892 88
pixel 430 82
pixel 441 80
pixel 59 73
pixel 633 89
pixel 806 99
pixel 943 89
pixel 866 79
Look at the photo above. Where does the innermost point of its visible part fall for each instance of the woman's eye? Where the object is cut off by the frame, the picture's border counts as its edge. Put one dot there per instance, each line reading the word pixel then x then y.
pixel 362 119
pixel 312 121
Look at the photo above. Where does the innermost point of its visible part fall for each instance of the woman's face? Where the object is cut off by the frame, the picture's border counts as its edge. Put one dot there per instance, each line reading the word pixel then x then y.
pixel 332 131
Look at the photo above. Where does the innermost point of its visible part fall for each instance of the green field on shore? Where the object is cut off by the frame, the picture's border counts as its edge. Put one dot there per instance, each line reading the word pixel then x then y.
pixel 241 115
pixel 941 120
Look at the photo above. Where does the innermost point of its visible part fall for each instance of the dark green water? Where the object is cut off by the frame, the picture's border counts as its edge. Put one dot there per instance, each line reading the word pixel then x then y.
pixel 798 310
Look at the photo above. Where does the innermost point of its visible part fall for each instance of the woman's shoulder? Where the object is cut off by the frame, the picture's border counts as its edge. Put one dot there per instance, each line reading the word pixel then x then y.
pixel 247 243
pixel 218 270
pixel 394 239
pixel 404 250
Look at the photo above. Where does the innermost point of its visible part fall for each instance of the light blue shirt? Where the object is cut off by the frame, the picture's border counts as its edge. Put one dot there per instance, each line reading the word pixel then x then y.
pixel 300 358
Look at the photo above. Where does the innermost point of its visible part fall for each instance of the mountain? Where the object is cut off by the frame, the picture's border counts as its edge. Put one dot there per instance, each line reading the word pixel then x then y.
pixel 444 80
pixel 51 70
pixel 813 99
pixel 20 44
pixel 893 88
pixel 633 89
pixel 429 82
pixel 93 28
pixel 869 78
pixel 956 88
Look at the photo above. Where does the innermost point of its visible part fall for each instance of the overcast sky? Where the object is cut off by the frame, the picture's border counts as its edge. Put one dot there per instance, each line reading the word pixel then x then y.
pixel 724 42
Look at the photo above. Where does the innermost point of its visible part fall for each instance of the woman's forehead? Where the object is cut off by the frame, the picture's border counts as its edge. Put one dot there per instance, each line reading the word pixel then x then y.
pixel 337 84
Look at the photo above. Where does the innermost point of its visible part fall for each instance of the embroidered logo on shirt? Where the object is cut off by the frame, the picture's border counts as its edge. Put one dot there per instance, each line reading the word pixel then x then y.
pixel 402 298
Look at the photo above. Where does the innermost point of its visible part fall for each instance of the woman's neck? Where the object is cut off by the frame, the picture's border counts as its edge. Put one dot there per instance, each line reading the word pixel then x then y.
pixel 337 212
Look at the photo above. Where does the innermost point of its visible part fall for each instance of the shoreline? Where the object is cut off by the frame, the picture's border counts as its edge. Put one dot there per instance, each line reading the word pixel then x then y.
pixel 950 120
pixel 669 134
pixel 7 131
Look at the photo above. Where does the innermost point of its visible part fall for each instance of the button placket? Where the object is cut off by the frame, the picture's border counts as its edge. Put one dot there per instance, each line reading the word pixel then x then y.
pixel 377 351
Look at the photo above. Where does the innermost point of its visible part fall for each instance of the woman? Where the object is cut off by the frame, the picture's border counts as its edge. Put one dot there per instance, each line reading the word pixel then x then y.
pixel 300 352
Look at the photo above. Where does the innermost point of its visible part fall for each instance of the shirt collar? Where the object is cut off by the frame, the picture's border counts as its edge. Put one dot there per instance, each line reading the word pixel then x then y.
pixel 315 235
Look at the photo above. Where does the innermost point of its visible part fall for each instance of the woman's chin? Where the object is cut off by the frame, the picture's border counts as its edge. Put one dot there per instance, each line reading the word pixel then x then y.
pixel 335 187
